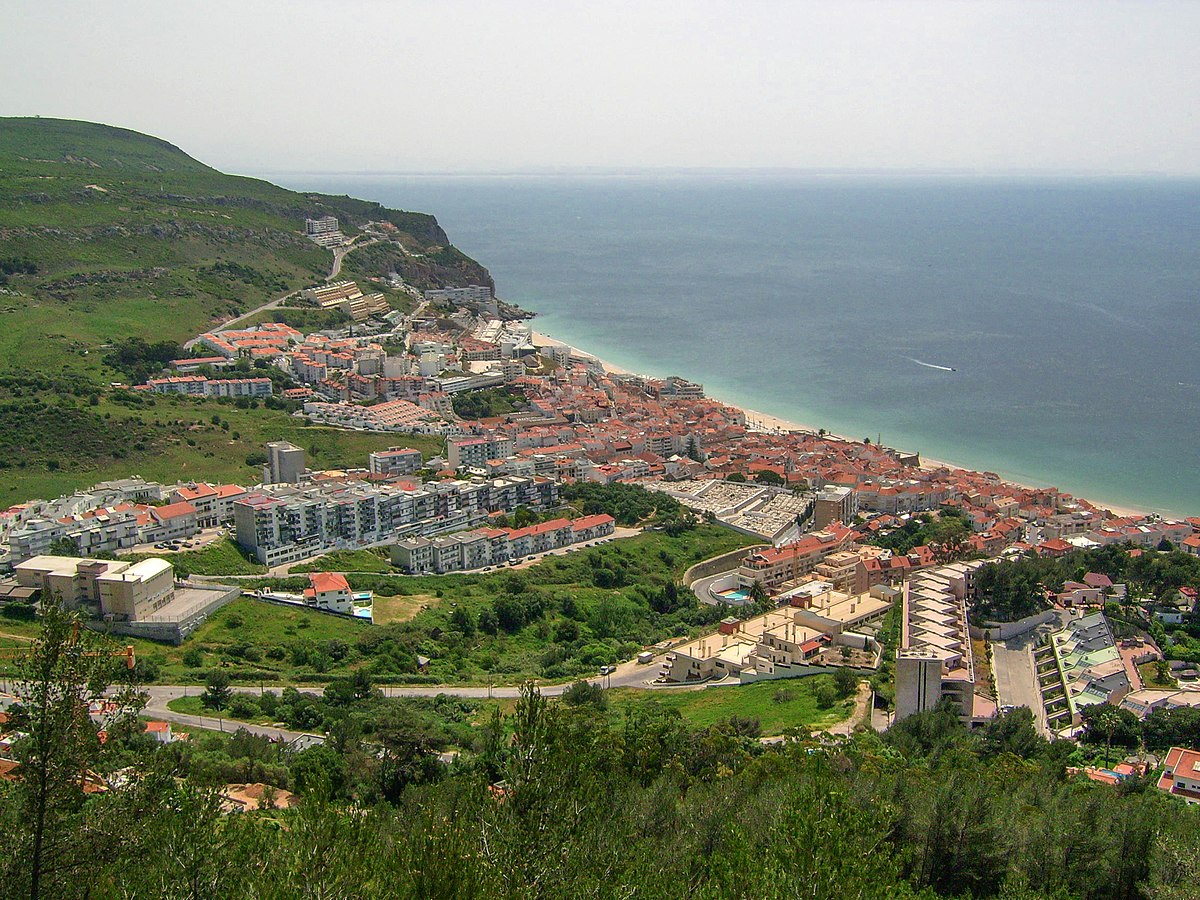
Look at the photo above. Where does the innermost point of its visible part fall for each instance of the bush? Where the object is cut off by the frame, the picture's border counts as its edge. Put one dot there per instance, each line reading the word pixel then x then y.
pixel 826 695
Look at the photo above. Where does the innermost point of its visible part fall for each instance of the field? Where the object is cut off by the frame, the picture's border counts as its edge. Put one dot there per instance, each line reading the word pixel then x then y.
pixel 385 610
pixel 221 557
pixel 163 438
pixel 347 561
pixel 777 705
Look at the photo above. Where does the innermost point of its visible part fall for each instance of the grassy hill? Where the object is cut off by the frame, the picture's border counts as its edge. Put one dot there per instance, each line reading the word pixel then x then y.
pixel 126 234
pixel 107 234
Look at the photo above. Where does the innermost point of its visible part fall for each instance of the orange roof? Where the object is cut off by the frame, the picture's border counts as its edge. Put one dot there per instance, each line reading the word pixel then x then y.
pixel 173 510
pixel 328 581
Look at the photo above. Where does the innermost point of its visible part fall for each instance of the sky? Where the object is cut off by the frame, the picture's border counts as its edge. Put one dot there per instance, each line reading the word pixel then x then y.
pixel 530 85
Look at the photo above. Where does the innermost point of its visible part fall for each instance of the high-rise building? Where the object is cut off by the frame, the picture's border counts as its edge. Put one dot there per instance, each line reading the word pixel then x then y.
pixel 285 463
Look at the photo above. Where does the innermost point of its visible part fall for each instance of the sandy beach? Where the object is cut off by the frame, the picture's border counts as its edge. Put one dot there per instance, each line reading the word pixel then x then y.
pixel 757 420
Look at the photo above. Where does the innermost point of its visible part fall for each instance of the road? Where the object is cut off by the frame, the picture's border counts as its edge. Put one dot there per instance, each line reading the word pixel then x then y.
pixel 1016 676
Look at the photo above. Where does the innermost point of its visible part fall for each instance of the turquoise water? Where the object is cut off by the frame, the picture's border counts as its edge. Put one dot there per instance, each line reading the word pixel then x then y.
pixel 1067 309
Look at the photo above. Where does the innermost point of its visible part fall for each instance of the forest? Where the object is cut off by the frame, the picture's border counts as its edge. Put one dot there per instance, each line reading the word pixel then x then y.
pixel 557 799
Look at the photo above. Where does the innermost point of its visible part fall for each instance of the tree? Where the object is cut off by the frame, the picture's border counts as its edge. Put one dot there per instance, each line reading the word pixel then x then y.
pixel 1110 725
pixel 217 692
pixel 66 668
pixel 845 681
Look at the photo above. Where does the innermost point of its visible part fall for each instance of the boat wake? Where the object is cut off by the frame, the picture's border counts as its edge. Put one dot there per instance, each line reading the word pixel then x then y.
pixel 931 365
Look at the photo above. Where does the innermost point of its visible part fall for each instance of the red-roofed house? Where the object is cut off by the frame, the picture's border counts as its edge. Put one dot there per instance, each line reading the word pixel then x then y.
pixel 329 590
pixel 1181 774
pixel 1054 548
pixel 167 523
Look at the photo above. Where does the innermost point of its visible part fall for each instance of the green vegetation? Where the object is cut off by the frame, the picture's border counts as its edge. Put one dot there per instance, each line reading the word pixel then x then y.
pixel 558 619
pixel 629 504
pixel 1015 588
pixel 487 403
pixel 567 799
pixel 348 561
pixel 947 530
pixel 302 319
pixel 775 707
pixel 54 445
pixel 221 557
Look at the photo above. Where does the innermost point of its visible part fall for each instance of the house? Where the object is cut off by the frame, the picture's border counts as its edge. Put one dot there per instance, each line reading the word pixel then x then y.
pixel 329 590
pixel 1181 774
pixel 160 731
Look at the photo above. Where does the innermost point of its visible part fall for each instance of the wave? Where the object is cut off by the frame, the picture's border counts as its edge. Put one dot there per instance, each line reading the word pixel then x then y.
pixel 931 365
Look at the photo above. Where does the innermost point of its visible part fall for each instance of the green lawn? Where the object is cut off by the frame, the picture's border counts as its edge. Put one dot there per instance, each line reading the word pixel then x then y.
pixel 176 440
pixel 348 561
pixel 192 706
pixel 221 557
pixel 778 705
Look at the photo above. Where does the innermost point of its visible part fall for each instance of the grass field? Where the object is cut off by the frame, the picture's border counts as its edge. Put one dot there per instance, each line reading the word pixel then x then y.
pixel 348 561
pixel 385 610
pixel 1151 679
pixel 193 706
pixel 777 705
pixel 179 442
pixel 221 557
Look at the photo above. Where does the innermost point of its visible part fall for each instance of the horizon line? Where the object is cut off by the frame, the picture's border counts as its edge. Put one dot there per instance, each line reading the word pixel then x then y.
pixel 815 171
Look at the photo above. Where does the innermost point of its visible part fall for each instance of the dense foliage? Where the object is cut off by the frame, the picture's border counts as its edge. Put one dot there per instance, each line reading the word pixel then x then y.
pixel 487 403
pixel 561 799
pixel 1014 588
pixel 946 529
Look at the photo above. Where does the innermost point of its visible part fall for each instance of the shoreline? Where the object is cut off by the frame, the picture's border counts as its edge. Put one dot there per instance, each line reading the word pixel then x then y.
pixel 769 423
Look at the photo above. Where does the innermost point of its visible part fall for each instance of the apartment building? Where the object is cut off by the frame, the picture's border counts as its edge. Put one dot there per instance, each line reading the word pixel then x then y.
pixel 474 452
pixel 213 503
pixel 285 463
pixel 774 566
pixel 934 661
pixel 834 503
pixel 287 523
pixel 395 461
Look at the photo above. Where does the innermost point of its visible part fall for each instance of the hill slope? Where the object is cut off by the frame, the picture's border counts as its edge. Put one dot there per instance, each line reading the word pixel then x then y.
pixel 107 233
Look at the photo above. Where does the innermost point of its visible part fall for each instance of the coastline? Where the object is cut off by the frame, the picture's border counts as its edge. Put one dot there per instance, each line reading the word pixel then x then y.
pixel 769 423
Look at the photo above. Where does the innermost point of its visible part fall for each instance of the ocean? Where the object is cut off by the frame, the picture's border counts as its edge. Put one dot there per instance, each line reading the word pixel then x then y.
pixel 1044 329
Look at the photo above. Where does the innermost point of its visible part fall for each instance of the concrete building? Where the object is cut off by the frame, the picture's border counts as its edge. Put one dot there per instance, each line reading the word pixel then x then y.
pixel 128 592
pixel 934 661
pixel 285 463
pixel 323 225
pixel 474 452
pixel 1181 774
pixel 395 461
pixel 213 503
pixel 774 566
pixel 1088 666
pixel 283 523
pixel 834 503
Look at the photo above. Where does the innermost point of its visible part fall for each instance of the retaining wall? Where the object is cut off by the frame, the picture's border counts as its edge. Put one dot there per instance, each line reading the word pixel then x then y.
pixel 718 564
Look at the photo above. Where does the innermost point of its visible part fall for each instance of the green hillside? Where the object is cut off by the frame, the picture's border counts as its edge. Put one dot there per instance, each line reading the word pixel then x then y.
pixel 106 233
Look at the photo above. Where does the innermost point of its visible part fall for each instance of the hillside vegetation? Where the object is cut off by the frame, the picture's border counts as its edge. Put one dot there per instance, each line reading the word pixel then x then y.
pixel 107 234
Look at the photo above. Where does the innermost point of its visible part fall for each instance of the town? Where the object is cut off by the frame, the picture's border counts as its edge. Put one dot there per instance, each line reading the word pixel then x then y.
pixel 810 597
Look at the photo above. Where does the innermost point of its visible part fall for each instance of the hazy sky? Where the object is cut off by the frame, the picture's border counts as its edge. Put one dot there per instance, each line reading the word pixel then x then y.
pixel 453 85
